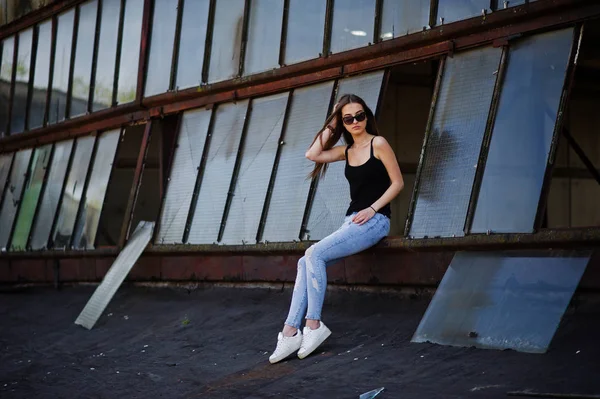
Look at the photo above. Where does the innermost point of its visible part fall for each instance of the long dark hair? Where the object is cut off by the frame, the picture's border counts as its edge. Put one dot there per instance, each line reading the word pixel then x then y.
pixel 340 129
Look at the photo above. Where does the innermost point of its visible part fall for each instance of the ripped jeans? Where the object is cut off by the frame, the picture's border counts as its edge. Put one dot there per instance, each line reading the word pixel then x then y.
pixel 311 280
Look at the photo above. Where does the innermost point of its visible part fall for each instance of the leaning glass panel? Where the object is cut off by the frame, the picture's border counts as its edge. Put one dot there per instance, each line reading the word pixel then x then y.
pixel 522 134
pixel 6 67
pixel 456 10
pixel 41 75
pixel 130 51
pixel 402 17
pixel 84 54
pixel 12 195
pixel 214 187
pixel 260 146
pixel 17 119
pixel 62 62
pixel 502 300
pixel 305 30
pixel 180 188
pixel 192 43
pixel 161 47
pixel 226 40
pixel 454 143
pixel 308 111
pixel 5 162
pixel 353 24
pixel 29 203
pixel 84 235
pixel 51 196
pixel 332 197
pixel 73 192
pixel 264 36
pixel 107 54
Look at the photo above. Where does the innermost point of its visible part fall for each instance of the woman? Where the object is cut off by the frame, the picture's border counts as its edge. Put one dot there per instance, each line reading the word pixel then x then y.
pixel 375 179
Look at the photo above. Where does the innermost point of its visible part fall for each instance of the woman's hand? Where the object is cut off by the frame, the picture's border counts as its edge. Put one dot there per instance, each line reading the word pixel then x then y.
pixel 363 216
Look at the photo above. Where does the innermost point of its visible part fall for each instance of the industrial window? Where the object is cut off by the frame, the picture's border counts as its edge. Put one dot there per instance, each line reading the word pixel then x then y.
pixel 226 40
pixel 6 67
pixel 41 75
pixel 455 10
pixel 353 24
pixel 400 18
pixel 84 56
pixel 107 54
pixel 305 30
pixel 21 83
pixel 12 195
pixel 162 42
pixel 192 43
pixel 62 61
pixel 130 51
pixel 264 36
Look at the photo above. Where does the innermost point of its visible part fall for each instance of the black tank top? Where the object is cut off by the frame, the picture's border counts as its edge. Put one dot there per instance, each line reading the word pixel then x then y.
pixel 368 182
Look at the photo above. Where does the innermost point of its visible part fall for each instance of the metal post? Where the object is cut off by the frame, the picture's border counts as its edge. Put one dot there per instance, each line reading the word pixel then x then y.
pixel 175 59
pixel 144 50
pixel 72 64
pixel 284 25
pixel 208 42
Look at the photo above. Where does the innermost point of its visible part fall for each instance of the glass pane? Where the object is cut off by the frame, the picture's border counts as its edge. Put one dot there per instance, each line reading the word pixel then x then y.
pixel 161 47
pixel 73 192
pixel 332 198
pixel 353 24
pixel 192 43
pixel 305 30
pixel 84 235
pixel 5 161
pixel 107 54
pixel 62 61
pixel 502 300
pixel 41 76
pixel 17 122
pixel 522 135
pixel 402 17
pixel 33 189
pixel 12 195
pixel 222 153
pixel 264 36
pixel 188 154
pixel 51 196
pixel 454 143
pixel 227 40
pixel 308 110
pixel 456 10
pixel 6 67
pixel 84 55
pixel 258 156
pixel 130 51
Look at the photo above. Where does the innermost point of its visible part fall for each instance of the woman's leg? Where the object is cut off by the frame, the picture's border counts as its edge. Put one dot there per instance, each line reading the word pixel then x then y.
pixel 299 301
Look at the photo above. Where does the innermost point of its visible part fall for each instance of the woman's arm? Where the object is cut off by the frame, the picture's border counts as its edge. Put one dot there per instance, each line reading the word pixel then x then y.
pixel 316 153
pixel 384 152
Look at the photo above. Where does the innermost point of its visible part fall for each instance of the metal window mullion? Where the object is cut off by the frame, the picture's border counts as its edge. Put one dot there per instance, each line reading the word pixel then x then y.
pixel 377 23
pixel 433 12
pixel 144 49
pixel 72 63
pixel 100 8
pixel 7 182
pixel 208 40
pixel 267 202
pixel 118 55
pixel 315 181
pixel 422 157
pixel 136 184
pixel 199 176
pixel 487 138
pixel 382 91
pixel 284 29
pixel 13 83
pixel 51 71
pixel 236 170
pixel 36 212
pixel 174 146
pixel 176 41
pixel 34 45
pixel 244 44
pixel 18 208
pixel 558 125
pixel 327 28
pixel 581 155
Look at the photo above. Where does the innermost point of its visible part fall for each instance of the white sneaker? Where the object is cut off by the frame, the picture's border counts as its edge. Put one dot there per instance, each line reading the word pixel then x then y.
pixel 312 339
pixel 286 346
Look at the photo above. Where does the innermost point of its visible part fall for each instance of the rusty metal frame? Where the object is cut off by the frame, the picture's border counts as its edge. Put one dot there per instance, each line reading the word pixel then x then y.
pixel 25 181
pixel 37 16
pixel 69 93
pixel 581 154
pixel 10 168
pixel 327 29
pixel 175 59
pixel 377 22
pixel 13 75
pixel 1 56
pixel 135 184
pixel 115 91
pixel 281 143
pixel 422 157
pixel 144 50
pixel 34 46
pixel 200 175
pixel 487 138
pixel 433 11
pixel 36 212
pixel 284 29
pixel 558 125
pixel 100 8
pixel 244 43
pixel 51 71
pixel 175 145
pixel 236 169
pixel 212 7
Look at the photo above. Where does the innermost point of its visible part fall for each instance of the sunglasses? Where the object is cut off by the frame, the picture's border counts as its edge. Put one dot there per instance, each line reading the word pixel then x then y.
pixel 348 120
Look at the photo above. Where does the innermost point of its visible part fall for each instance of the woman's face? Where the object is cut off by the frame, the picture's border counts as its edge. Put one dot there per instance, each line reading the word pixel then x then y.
pixel 354 110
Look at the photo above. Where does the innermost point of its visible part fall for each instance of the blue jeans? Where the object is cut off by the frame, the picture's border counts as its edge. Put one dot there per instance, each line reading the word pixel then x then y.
pixel 311 280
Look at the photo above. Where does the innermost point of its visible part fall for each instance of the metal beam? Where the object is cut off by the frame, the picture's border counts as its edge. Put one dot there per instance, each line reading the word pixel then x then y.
pixel 581 154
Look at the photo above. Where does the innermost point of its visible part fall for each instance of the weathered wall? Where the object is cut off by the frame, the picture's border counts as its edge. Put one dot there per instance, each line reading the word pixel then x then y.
pixel 14 9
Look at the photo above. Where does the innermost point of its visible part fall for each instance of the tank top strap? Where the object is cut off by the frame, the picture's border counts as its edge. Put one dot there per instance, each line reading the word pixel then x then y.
pixel 372 154
pixel 347 148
